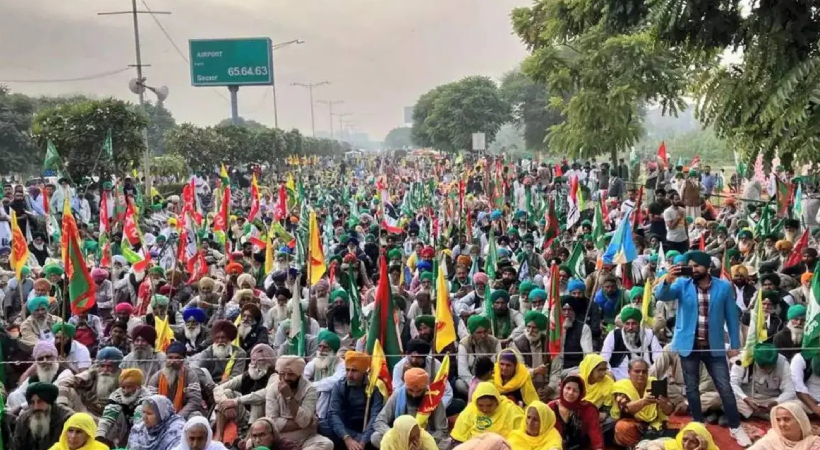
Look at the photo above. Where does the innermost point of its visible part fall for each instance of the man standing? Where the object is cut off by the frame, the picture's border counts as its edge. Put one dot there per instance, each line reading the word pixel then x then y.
pixel 705 305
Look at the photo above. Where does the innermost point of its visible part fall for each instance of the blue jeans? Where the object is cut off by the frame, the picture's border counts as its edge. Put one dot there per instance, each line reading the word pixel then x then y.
pixel 718 369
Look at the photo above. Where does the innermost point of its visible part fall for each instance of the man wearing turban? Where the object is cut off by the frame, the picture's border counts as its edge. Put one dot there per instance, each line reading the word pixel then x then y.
pixel 123 409
pixel 89 390
pixel 325 368
pixel 507 324
pixel 761 386
pixel 47 368
pixel 802 293
pixel 251 329
pixel 479 343
pixel 789 340
pixel 222 360
pixel 425 326
pixel 194 334
pixel 144 356
pixel 291 403
pixel 533 347
pixel 178 382
pixel 344 421
pixel 473 302
pixel 629 343
pixel 37 326
pixel 745 292
pixel 77 355
pixel 40 425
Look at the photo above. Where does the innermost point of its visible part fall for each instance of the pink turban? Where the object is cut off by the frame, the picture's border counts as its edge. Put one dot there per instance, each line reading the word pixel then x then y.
pixel 124 308
pixel 99 274
pixel 481 277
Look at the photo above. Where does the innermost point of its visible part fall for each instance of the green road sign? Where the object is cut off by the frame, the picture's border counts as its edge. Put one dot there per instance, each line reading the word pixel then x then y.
pixel 231 62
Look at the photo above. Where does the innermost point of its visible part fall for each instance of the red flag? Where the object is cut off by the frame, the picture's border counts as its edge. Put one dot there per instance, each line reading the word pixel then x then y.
pixel 255 202
pixel 282 205
pixel 637 216
pixel 197 267
pixel 695 161
pixel 104 225
pixel 662 154
pixel 558 171
pixel 221 219
pixel 702 242
pixel 130 229
pixel 552 225
pixel 556 325
pixel 46 204
pixel 797 252
pixel 626 276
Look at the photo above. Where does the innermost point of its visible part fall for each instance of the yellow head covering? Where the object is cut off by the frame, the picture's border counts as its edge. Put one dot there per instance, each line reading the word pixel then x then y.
pixel 522 380
pixel 471 422
pixel 650 414
pixel 600 393
pixel 398 437
pixel 84 422
pixel 695 427
pixel 548 437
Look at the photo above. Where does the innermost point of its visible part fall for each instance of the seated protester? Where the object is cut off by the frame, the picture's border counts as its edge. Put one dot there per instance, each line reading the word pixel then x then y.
pixel 279 311
pixel 507 324
pixel 762 385
pixel 609 297
pixel 791 429
pixel 630 343
pixel 537 298
pixel 473 302
pixel 694 436
pixel 537 430
pixel 523 299
pixel 325 369
pixel 158 428
pixel 789 340
pixel 668 366
pixel 488 412
pixel 285 345
pixel 39 426
pixel 512 379
pixel 264 434
pixel 222 360
pixel 802 293
pixel 77 355
pixel 178 382
pixel 635 298
pixel 241 400
pixel 194 335
pixel 424 326
pixel 782 300
pixel 37 325
pixel 594 371
pixel 118 337
pixel 123 409
pixel 318 302
pixel 577 420
pixel 773 321
pixel 281 337
pixel 89 390
pixel 533 347
pixel 407 434
pixel 471 348
pixel 291 403
pixel 197 435
pixel 144 357
pixel 208 296
pixel 588 312
pixel 344 422
pixel 79 433
pixel 745 292
pixel 251 330
pixel 338 316
pixel 407 400
pixel 577 340
pixel 125 313
pixel 89 330
pixel 418 355
pixel 47 368
pixel 483 369
pixel 638 414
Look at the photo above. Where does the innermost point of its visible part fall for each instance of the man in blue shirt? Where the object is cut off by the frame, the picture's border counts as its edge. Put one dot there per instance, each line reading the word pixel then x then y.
pixel 707 181
pixel 705 305
pixel 345 423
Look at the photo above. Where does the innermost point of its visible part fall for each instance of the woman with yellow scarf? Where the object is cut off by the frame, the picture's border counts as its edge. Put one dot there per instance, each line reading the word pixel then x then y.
pixel 512 378
pixel 537 431
pixel 487 412
pixel 407 435
pixel 598 383
pixel 79 433
pixel 693 436
pixel 637 412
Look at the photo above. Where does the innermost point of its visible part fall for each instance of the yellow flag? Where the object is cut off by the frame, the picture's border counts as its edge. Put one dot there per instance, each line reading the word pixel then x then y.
pixel 435 393
pixel 223 173
pixel 290 184
pixel 647 299
pixel 757 331
pixel 445 327
pixel 164 334
pixel 19 247
pixel 315 252
pixel 269 253
pixel 379 375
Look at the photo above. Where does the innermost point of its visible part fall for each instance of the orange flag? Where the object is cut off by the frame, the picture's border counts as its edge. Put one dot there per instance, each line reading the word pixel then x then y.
pixel 19 247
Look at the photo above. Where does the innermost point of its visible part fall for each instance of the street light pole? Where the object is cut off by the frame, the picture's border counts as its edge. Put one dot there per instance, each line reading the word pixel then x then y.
pixel 341 116
pixel 273 78
pixel 330 104
pixel 310 87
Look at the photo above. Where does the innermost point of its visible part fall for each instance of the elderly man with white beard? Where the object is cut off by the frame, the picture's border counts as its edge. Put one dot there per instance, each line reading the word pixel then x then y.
pixel 41 424
pixel 242 398
pixel 46 369
pixel 534 349
pixel 222 360
pixel 629 343
pixel 194 335
pixel 143 356
pixel 251 330
pixel 789 340
pixel 325 369
pixel 88 391
pixel 279 311
pixel 37 325
pixel 122 409
pixel 178 382
pixel 479 343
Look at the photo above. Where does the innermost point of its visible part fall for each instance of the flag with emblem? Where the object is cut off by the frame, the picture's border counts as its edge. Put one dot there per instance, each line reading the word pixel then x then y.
pixel 445 326
pixel 255 201
pixel 130 228
pixel 19 247
pixel 556 324
pixel 384 319
pixel 81 288
pixel 435 393
pixel 577 261
pixel 796 256
pixel 380 377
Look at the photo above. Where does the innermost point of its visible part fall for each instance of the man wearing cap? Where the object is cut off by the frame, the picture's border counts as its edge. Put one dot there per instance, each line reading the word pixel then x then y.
pixel 291 403
pixel 222 360
pixel 418 355
pixel 178 382
pixel 325 369
pixel 251 330
pixel 89 390
pixel 477 344
pixel 764 384
pixel 706 305
pixel 37 325
pixel 344 422
pixel 789 340
pixel 123 409
pixel 532 346
pixel 46 368
pixel 41 424
pixel 407 400
pixel 143 356
pixel 242 398
pixel 629 343
pixel 194 335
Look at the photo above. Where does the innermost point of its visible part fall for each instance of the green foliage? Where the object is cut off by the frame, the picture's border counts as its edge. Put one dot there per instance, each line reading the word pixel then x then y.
pixel 78 131
pixel 446 117
pixel 243 122
pixel 399 138
pixel 703 142
pixel 18 153
pixel 529 101
pixel 168 165
pixel 160 121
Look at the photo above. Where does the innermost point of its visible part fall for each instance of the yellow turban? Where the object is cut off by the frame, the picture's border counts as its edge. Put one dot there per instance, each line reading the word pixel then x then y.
pixel 357 360
pixel 740 269
pixel 131 375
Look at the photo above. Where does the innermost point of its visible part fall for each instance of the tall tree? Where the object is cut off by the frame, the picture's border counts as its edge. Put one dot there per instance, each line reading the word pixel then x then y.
pixel 531 112
pixel 18 152
pixel 399 138
pixel 160 122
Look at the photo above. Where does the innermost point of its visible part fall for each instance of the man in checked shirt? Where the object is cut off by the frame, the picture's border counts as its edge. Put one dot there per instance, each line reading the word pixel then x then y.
pixel 705 305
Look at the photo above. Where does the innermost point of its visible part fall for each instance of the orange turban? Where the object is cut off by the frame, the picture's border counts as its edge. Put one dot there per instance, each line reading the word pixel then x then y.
pixel 234 268
pixel 357 360
pixel 131 375
pixel 416 378
pixel 740 269
pixel 783 245
pixel 806 277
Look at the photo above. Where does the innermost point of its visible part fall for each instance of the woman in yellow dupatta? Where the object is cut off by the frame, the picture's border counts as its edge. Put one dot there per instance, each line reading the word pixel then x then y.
pixel 694 436
pixel 635 410
pixel 79 433
pixel 406 434
pixel 487 412
pixel 537 431
pixel 512 378
pixel 598 383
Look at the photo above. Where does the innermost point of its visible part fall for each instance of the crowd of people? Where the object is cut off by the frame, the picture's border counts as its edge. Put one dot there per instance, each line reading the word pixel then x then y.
pixel 588 306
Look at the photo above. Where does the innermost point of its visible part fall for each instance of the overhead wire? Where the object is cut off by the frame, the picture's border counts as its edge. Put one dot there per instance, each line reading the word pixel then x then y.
pixel 95 76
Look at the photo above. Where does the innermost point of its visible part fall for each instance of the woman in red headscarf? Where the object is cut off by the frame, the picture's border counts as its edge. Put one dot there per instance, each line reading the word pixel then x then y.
pixel 575 418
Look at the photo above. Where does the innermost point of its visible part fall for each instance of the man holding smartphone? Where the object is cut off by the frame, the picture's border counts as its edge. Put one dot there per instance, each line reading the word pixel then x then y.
pixel 705 305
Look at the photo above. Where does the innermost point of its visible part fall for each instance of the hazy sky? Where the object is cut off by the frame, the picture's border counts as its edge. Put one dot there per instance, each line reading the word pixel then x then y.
pixel 379 55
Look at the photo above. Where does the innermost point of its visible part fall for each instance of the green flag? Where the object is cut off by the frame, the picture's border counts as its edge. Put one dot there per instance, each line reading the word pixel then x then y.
pixel 577 261
pixel 108 147
pixel 52 160
pixel 598 230
pixel 356 326
pixel 382 325
pixel 811 334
